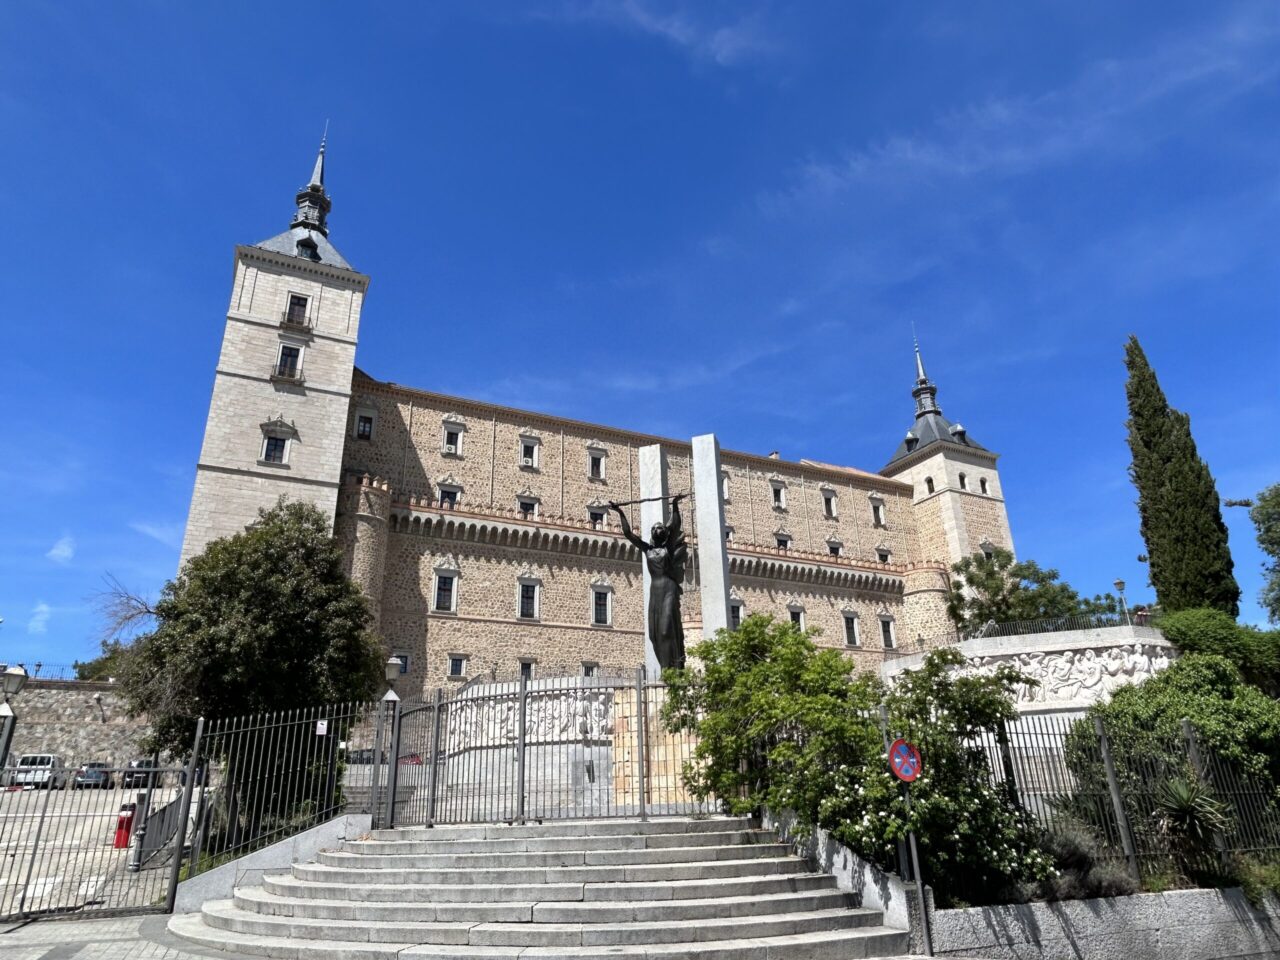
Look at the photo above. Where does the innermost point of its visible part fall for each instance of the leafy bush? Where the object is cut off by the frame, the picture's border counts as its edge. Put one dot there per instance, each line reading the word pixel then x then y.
pixel 782 724
pixel 1255 652
pixel 1081 872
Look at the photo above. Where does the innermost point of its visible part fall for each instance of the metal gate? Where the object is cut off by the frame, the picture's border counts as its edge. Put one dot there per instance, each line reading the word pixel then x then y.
pixel 92 840
pixel 536 749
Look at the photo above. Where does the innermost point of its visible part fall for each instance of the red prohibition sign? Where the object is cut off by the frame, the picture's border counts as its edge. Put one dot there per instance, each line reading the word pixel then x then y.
pixel 904 760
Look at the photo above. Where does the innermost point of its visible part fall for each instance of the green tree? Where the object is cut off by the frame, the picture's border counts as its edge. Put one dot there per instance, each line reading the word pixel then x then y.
pixel 1255 653
pixel 264 620
pixel 109 664
pixel 1181 518
pixel 1265 515
pixel 995 589
pixel 784 725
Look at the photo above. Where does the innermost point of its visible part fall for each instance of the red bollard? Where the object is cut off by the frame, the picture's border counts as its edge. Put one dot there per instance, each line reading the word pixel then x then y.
pixel 124 826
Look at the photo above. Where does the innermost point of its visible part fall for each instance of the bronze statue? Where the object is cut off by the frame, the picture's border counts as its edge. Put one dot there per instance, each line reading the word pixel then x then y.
pixel 665 556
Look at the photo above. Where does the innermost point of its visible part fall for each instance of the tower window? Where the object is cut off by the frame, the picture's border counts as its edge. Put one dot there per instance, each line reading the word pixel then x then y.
pixel 982 485
pixel 449 498
pixel 597 519
pixel 528 600
pixel 829 504
pixel 528 507
pixel 834 548
pixel 595 466
pixel 289 361
pixel 724 487
pixel 451 438
pixel 735 615
pixel 877 513
pixel 297 312
pixel 779 495
pixel 457 666
pixel 886 632
pixel 728 534
pixel 600 607
pixel 530 453
pixel 404 662
pixel 797 616
pixel 964 482
pixel 445 594
pixel 526 669
pixel 883 555
pixel 273 451
pixel 928 484
pixel 364 427
pixel 783 542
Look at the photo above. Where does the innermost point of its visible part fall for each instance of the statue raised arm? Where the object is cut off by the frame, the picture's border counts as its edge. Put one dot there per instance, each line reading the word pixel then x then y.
pixel 665 556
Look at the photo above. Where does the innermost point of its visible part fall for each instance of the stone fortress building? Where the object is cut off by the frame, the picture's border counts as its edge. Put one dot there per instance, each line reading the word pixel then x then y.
pixel 481 534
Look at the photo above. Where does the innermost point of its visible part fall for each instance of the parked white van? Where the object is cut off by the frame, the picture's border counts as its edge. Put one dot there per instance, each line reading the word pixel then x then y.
pixel 38 770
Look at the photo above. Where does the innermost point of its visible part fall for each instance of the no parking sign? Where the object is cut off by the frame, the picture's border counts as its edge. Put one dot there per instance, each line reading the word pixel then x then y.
pixel 904 760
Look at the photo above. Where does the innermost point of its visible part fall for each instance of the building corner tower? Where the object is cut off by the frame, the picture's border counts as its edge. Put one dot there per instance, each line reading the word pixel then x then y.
pixel 281 391
pixel 957 497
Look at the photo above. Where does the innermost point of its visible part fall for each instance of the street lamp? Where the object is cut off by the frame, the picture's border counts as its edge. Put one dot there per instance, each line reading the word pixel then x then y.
pixel 1119 585
pixel 393 670
pixel 13 680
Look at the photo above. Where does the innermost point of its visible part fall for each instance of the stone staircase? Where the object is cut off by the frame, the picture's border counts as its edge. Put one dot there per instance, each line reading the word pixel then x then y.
pixel 713 889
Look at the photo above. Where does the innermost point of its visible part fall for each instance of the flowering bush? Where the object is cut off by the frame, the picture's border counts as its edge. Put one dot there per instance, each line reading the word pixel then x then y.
pixel 784 725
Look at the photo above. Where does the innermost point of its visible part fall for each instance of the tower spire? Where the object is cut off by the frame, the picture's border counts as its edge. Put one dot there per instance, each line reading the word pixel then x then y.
pixel 925 393
pixel 313 203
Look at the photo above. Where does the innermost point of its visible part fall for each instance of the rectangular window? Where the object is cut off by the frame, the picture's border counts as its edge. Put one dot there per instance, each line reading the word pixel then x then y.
pixel 529 453
pixel 728 534
pixel 457 666
pixel 288 363
pixel 886 632
pixel 883 556
pixel 877 514
pixel 453 441
pixel 297 309
pixel 724 487
pixel 851 630
pixel 596 463
pixel 404 661
pixel 528 601
pixel 274 450
pixel 833 549
pixel 444 592
pixel 600 608
pixel 597 519
pixel 828 505
pixel 364 427
pixel 735 616
pixel 779 497
pixel 526 669
pixel 784 542
pixel 797 617
pixel 589 669
pixel 448 499
pixel 528 508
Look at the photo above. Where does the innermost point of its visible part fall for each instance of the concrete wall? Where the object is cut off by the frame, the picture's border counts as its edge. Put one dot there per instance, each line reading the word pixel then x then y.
pixel 62 718
pixel 1186 924
pixel 247 871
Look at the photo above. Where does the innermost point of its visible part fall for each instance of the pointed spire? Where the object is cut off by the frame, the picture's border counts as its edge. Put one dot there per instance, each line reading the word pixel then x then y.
pixel 313 202
pixel 925 393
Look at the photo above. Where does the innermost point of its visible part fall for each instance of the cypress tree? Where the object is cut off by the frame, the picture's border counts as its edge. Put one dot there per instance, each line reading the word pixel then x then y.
pixel 1189 561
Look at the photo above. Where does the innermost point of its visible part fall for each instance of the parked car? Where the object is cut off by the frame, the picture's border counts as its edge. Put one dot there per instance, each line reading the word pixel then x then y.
pixel 37 770
pixel 138 773
pixel 95 774
pixel 412 759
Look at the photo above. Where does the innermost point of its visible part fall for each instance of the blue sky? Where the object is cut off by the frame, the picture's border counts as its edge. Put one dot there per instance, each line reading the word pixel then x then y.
pixel 677 219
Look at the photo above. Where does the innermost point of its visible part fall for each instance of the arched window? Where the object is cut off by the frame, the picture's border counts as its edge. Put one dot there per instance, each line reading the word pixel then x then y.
pixel 982 484
pixel 964 482
pixel 928 484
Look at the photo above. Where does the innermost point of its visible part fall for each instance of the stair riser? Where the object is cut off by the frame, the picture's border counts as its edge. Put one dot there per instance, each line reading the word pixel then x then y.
pixel 763 887
pixel 350 856
pixel 671 911
pixel 506 934
pixel 517 875
pixel 554 844
pixel 566 828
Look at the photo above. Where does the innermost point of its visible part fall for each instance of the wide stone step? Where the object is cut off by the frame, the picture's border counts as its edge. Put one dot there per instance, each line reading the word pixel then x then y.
pixel 566 828
pixel 845 944
pixel 350 855
pixel 620 873
pixel 550 844
pixel 228 915
pixel 259 900
pixel 288 885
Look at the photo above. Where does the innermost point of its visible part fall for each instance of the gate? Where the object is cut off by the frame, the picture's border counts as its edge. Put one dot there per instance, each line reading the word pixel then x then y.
pixel 90 840
pixel 544 749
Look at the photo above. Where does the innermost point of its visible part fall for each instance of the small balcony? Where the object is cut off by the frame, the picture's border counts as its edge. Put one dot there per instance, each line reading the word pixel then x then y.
pixel 286 373
pixel 296 322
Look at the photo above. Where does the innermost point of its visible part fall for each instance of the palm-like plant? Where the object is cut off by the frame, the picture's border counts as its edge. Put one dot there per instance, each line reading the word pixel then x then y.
pixel 1189 817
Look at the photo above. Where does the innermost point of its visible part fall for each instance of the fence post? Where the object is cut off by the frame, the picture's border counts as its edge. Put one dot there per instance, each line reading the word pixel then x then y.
pixel 198 843
pixel 393 767
pixel 180 838
pixel 1202 774
pixel 1006 761
pixel 642 742
pixel 375 774
pixel 1117 802
pixel 435 754
pixel 520 747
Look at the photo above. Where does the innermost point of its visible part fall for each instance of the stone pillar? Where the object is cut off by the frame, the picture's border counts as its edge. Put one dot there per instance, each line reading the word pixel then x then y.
pixel 653 483
pixel 713 556
pixel 370 507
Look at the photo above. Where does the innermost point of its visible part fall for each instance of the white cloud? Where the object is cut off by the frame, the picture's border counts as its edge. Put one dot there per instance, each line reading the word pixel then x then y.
pixel 170 534
pixel 63 551
pixel 39 622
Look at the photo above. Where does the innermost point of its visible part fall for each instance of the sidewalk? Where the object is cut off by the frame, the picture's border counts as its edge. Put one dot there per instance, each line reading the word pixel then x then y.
pixel 120 938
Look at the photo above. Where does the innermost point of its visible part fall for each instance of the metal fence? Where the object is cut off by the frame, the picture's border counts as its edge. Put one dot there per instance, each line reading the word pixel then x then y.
pixel 95 841
pixel 1016 628
pixel 1069 772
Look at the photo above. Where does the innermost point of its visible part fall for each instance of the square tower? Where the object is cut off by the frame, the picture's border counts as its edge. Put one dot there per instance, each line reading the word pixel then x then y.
pixel 282 388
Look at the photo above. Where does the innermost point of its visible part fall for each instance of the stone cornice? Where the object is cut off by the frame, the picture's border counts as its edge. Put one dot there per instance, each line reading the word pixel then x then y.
pixel 351 278
pixel 924 453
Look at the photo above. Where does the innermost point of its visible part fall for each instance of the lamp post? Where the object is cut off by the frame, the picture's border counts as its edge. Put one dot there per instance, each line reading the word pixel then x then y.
pixel 1119 585
pixel 13 679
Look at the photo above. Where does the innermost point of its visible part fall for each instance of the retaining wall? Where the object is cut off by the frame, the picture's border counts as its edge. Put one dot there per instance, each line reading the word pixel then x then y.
pixel 61 717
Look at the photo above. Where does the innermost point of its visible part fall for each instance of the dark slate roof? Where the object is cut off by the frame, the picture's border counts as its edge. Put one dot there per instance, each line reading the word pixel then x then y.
pixel 930 429
pixel 287 243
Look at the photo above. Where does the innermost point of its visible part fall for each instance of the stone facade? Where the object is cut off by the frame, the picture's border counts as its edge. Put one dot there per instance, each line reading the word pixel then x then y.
pixel 63 718
pixel 482 534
